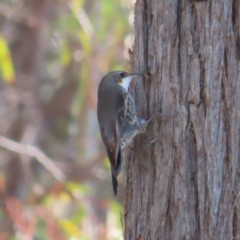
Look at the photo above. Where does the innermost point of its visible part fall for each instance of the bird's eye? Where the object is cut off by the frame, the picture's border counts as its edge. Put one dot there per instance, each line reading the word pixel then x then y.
pixel 121 74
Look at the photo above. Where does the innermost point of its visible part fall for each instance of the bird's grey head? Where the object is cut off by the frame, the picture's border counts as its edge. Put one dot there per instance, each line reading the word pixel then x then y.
pixel 120 78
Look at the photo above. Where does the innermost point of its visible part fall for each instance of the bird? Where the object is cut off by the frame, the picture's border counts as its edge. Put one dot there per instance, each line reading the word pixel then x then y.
pixel 117 118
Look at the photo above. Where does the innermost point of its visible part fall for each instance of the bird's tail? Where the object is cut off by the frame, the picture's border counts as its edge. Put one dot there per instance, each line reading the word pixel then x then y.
pixel 120 160
pixel 114 181
pixel 116 170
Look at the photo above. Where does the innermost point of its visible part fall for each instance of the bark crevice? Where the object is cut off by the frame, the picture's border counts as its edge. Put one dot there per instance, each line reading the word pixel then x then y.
pixel 183 183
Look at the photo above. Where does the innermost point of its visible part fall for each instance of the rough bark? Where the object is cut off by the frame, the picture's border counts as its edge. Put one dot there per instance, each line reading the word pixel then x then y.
pixel 185 185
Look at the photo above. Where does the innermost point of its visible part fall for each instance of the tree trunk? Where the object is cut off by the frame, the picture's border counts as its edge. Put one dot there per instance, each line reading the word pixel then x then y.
pixel 185 184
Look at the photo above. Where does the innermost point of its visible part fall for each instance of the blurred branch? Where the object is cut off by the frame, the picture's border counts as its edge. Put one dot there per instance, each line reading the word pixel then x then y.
pixel 33 152
pixel 82 172
pixel 29 136
pixel 73 172
pixel 83 19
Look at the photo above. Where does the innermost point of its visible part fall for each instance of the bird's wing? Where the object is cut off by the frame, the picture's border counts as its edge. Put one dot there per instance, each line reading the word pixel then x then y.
pixel 111 134
pixel 122 113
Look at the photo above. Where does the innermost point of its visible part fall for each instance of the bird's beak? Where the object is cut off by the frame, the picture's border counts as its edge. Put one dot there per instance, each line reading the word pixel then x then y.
pixel 125 82
pixel 135 74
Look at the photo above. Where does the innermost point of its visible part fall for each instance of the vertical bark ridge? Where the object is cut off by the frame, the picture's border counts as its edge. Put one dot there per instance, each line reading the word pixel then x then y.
pixel 183 185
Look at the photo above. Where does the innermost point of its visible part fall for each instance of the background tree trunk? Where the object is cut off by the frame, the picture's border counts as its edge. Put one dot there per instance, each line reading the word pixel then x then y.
pixel 185 185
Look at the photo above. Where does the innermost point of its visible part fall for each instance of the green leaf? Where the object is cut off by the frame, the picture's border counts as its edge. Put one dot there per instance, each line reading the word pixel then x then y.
pixel 86 42
pixel 6 65
pixel 70 229
pixel 65 57
pixel 76 187
pixel 79 216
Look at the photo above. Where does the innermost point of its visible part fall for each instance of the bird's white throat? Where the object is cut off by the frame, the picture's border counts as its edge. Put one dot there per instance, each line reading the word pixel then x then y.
pixel 126 82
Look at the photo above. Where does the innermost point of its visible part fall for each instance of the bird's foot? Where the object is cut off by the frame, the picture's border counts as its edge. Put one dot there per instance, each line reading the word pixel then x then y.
pixel 151 142
pixel 143 123
pixel 153 116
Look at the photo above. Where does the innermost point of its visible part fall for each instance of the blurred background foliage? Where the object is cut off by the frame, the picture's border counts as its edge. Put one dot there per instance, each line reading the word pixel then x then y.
pixel 54 175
